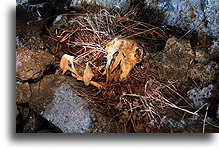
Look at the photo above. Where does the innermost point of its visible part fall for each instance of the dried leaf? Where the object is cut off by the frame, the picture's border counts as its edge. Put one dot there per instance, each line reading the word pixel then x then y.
pixel 88 75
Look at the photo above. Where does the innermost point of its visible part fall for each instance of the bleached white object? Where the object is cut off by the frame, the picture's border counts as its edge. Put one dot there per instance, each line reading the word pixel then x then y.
pixel 69 57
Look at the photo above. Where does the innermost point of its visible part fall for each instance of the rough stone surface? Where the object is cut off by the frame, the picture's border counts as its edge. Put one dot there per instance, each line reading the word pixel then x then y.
pixel 57 99
pixel 192 125
pixel 103 124
pixel 23 93
pixel 202 15
pixel 202 56
pixel 36 42
pixel 33 42
pixel 43 90
pixel 31 65
pixel 31 125
pixel 28 121
pixel 214 50
pixel 197 96
pixel 32 15
pixel 69 112
pixel 205 73
pixel 109 4
pixel 178 60
pixel 175 58
pixel 18 42
pixel 26 21
pixel 17 111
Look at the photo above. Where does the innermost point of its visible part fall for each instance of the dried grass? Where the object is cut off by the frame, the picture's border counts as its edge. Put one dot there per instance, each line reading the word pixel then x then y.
pixel 145 97
pixel 86 35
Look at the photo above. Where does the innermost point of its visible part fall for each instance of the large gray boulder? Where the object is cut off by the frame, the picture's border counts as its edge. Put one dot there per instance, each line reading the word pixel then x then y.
pixel 60 100
pixel 201 15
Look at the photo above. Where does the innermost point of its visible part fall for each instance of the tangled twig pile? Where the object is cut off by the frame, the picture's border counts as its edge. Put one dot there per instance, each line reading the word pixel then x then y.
pixel 141 97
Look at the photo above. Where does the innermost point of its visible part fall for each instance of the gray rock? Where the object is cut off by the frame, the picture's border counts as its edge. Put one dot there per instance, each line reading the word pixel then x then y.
pixel 69 112
pixel 21 2
pixel 23 93
pixel 104 124
pixel 32 124
pixel 33 42
pixel 192 124
pixel 26 4
pixel 214 50
pixel 28 18
pixel 43 91
pixel 202 56
pixel 109 4
pixel 57 98
pixel 18 42
pixel 202 15
pixel 205 73
pixel 196 96
pixel 31 65
pixel 175 58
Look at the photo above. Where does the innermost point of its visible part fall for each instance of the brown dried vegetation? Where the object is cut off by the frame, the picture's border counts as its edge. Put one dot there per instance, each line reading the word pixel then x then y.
pixel 141 98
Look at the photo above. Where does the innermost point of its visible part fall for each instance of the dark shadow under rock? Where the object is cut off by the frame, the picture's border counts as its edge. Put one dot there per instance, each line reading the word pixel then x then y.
pixel 26 21
pixel 28 121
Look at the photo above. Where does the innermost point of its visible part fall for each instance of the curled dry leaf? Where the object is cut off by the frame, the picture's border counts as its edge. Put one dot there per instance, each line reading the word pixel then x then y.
pixel 88 75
